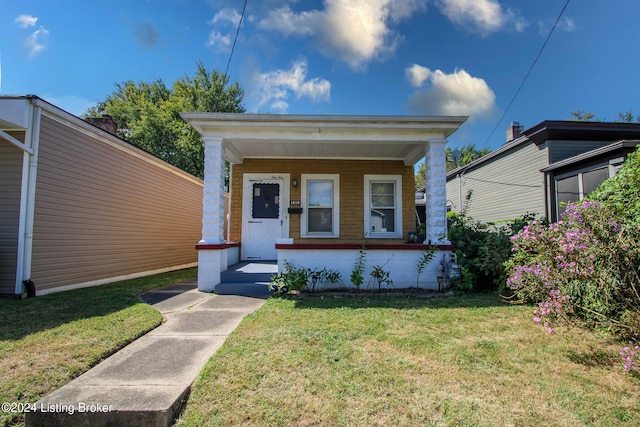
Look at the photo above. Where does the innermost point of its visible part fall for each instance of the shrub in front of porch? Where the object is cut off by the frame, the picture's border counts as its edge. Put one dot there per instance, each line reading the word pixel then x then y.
pixel 304 279
pixel 482 249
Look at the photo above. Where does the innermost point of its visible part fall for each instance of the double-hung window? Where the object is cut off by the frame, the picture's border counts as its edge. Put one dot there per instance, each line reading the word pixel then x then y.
pixel 383 206
pixel 321 206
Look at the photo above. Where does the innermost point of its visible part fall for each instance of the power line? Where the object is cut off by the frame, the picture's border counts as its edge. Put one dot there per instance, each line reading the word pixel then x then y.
pixel 528 72
pixel 508 184
pixel 233 47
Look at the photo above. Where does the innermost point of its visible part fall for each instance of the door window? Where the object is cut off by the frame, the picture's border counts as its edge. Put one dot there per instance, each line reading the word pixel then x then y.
pixel 266 201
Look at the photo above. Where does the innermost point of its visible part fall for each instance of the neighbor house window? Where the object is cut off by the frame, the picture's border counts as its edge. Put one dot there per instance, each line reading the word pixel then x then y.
pixel 321 208
pixel 573 188
pixel 383 205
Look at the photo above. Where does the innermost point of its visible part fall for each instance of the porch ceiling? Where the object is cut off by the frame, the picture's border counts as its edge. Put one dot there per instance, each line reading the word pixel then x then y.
pixel 318 136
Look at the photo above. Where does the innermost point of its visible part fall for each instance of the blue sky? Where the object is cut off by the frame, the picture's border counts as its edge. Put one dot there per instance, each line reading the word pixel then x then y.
pixel 379 57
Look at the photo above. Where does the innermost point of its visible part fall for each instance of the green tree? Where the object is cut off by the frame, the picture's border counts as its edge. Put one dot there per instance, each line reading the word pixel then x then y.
pixel 581 116
pixel 627 117
pixel 468 154
pixel 148 114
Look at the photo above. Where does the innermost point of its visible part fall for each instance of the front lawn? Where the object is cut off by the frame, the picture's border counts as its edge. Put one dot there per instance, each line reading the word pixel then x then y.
pixel 467 361
pixel 47 341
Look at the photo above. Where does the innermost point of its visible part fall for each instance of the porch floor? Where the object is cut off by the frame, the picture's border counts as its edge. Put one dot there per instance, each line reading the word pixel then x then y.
pixel 247 278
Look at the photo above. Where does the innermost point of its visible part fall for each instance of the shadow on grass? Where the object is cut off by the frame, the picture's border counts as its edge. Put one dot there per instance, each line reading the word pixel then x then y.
pixel 593 357
pixel 400 301
pixel 24 317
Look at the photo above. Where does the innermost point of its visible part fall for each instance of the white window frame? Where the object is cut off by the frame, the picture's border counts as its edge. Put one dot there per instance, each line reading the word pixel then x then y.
pixel 305 179
pixel 397 180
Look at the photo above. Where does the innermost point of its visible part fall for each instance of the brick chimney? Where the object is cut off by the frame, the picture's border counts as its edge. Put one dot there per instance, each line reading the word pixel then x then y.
pixel 514 131
pixel 105 123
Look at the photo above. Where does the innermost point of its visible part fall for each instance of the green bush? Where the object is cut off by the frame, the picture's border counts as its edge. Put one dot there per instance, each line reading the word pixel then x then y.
pixel 481 250
pixel 291 279
pixel 304 279
pixel 621 193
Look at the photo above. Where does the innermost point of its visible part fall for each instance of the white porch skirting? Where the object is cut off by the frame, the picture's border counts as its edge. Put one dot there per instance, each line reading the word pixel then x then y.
pixel 214 259
pixel 401 261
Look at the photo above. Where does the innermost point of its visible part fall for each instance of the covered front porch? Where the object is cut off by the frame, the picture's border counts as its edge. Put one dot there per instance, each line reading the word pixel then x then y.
pixel 312 190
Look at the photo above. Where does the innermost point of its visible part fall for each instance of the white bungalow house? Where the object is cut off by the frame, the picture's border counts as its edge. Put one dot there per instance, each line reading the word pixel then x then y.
pixel 310 190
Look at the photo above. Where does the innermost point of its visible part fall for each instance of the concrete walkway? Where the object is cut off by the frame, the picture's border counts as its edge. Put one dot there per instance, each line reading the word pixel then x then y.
pixel 146 383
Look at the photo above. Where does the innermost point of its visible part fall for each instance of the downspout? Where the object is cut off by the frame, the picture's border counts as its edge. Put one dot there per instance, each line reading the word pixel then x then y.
pixel 547 194
pixel 28 198
pixel 459 193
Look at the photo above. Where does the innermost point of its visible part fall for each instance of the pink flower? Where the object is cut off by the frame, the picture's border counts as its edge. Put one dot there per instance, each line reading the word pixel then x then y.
pixel 551 330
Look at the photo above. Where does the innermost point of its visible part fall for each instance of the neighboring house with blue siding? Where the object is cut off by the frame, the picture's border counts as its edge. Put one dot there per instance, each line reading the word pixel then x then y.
pixel 522 176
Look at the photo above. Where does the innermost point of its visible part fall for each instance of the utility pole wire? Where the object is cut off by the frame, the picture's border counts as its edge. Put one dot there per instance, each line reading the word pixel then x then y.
pixel 233 46
pixel 528 72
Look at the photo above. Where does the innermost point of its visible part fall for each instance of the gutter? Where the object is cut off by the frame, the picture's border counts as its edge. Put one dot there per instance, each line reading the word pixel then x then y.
pixel 28 198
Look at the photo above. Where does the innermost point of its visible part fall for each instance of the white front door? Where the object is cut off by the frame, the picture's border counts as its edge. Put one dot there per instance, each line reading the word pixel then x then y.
pixel 263 217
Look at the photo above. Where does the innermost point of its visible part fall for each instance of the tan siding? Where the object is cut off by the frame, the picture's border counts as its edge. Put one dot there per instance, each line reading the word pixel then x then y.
pixel 351 193
pixel 10 186
pixel 505 187
pixel 102 212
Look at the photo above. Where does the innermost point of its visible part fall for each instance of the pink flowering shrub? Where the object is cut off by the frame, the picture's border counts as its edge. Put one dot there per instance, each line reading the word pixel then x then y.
pixel 587 265
pixel 583 267
pixel 631 356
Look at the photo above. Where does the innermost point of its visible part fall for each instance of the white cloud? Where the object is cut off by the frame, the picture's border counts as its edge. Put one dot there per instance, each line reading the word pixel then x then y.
pixel 456 94
pixel 565 24
pixel 480 16
pixel 279 106
pixel 219 41
pixel 26 21
pixel 417 74
pixel 275 87
pixel 228 15
pixel 354 31
pixel 33 43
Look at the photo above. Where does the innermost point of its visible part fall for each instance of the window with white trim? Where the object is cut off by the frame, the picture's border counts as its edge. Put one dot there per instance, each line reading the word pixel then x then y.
pixel 320 201
pixel 383 206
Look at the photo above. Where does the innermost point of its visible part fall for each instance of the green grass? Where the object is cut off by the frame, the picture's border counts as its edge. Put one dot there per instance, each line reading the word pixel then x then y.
pixel 47 341
pixel 463 361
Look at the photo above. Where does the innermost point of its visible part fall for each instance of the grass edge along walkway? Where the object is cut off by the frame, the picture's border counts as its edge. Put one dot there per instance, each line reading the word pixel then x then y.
pixel 47 341
pixel 465 361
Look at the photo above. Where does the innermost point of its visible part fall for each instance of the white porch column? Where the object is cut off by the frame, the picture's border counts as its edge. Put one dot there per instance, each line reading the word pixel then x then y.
pixel 436 191
pixel 213 209
pixel 212 251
